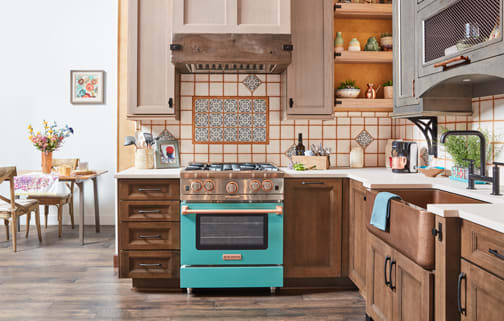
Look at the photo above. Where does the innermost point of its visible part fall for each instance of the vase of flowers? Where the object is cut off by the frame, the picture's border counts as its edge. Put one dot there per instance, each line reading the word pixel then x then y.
pixel 48 141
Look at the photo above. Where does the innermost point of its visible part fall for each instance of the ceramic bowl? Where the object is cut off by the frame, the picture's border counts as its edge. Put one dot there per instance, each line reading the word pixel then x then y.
pixel 347 93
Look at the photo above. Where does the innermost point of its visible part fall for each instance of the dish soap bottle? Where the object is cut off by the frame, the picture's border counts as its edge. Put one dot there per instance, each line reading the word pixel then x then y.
pixel 300 149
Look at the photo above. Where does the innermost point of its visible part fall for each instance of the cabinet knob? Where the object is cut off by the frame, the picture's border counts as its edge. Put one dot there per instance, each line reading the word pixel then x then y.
pixel 438 232
pixel 170 102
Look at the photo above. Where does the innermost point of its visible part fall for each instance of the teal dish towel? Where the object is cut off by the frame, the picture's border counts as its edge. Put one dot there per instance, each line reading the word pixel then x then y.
pixel 381 209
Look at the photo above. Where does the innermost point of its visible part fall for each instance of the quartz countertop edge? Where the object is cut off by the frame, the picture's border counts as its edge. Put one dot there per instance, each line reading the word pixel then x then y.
pixel 487 215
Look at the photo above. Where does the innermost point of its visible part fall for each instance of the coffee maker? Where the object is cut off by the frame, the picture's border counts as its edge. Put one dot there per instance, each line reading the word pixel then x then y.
pixel 404 157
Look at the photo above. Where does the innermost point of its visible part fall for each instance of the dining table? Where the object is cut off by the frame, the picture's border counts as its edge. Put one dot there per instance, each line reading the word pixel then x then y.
pixel 79 180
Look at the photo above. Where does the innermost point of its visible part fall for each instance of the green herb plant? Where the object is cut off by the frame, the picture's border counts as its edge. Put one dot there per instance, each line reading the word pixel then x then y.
pixel 388 83
pixel 466 147
pixel 348 84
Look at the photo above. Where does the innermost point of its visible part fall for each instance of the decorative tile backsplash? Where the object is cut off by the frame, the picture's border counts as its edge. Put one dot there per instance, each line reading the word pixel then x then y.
pixel 230 120
pixel 340 134
pixel 488 115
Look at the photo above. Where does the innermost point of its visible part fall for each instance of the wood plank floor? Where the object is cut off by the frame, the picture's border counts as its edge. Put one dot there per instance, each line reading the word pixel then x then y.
pixel 60 280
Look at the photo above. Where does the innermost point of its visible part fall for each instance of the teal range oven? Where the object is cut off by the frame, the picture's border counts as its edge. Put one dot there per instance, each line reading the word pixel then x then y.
pixel 234 242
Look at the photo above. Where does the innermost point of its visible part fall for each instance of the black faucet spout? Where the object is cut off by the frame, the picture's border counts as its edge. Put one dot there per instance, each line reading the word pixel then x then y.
pixel 471 133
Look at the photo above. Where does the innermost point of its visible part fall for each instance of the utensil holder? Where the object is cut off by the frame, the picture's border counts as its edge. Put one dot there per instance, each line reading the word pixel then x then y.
pixel 144 158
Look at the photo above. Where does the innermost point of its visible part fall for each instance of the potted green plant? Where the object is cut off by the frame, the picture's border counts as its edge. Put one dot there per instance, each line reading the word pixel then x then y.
pixel 388 90
pixel 465 147
pixel 348 89
pixel 386 41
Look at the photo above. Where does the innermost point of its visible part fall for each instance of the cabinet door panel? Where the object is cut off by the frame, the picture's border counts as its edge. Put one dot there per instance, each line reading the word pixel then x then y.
pixel 482 294
pixel 312 227
pixel 379 301
pixel 310 76
pixel 358 235
pixel 413 288
pixel 404 13
pixel 151 75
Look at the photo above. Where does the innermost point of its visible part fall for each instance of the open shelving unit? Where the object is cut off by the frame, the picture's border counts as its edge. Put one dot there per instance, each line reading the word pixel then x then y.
pixel 361 21
pixel 363 10
pixel 363 57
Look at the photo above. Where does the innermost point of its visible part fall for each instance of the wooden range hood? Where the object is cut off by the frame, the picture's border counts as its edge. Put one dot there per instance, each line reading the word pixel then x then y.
pixel 231 53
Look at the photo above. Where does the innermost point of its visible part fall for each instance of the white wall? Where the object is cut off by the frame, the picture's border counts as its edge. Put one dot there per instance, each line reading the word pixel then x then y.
pixel 41 42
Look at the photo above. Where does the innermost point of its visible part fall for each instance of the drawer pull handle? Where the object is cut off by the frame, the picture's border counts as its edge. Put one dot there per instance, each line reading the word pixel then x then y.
pixel 157 236
pixel 392 263
pixel 387 259
pixel 459 289
pixel 231 257
pixel 312 183
pixel 149 190
pixel 464 61
pixel 496 253
pixel 149 212
pixel 150 265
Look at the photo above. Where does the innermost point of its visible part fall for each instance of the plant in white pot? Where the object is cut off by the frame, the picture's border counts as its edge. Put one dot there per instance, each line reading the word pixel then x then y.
pixel 348 89
pixel 388 90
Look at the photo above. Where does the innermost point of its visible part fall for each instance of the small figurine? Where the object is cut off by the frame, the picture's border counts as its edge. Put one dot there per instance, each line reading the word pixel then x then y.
pixel 372 45
pixel 354 45
pixel 371 92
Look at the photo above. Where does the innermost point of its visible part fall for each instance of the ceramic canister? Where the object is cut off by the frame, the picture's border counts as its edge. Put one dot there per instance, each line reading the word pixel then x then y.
pixel 354 45
pixel 357 157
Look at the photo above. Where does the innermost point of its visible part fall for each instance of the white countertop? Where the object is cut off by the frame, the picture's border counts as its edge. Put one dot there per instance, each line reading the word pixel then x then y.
pixel 134 173
pixel 488 215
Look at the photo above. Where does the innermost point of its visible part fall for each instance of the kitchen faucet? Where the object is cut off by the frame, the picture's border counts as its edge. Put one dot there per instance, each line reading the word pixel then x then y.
pixel 495 179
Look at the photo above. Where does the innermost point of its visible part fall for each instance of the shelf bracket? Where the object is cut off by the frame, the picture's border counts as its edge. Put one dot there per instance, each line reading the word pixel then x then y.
pixel 429 127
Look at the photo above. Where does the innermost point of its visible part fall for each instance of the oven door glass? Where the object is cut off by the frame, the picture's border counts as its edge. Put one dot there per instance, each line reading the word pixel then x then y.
pixel 232 232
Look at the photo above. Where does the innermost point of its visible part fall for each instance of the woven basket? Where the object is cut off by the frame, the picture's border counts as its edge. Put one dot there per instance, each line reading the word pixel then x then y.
pixel 144 158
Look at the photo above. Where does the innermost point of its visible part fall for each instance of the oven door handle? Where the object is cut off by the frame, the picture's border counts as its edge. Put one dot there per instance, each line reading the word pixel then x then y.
pixel 278 211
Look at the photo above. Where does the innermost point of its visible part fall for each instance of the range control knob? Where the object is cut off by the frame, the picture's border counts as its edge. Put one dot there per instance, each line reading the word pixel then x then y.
pixel 196 186
pixel 255 186
pixel 232 187
pixel 267 185
pixel 209 186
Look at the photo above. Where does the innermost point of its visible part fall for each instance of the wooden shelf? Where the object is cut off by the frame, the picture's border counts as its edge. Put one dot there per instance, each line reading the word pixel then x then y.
pixel 151 117
pixel 364 57
pixel 363 104
pixel 363 10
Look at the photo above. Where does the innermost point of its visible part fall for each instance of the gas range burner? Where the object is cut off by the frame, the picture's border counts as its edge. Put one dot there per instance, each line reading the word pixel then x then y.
pixel 237 167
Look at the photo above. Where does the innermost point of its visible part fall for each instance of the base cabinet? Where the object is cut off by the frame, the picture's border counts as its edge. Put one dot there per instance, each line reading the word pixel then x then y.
pixel 313 228
pixel 357 235
pixel 481 294
pixel 397 288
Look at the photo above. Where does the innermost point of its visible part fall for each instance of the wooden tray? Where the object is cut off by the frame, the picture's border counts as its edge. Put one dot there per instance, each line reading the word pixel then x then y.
pixel 320 162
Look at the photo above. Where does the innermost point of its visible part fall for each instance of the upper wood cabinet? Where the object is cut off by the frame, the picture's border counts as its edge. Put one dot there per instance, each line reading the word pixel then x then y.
pixel 313 228
pixel 231 16
pixel 310 76
pixel 403 31
pixel 152 80
pixel 358 206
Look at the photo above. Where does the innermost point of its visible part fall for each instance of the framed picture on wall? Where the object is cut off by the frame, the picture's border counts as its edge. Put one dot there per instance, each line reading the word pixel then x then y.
pixel 87 86
pixel 167 153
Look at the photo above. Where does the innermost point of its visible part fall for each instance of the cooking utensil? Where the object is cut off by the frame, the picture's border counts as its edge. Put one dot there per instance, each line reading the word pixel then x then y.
pixel 129 140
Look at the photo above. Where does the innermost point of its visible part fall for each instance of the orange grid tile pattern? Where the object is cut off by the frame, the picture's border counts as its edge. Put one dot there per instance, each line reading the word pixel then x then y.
pixel 488 115
pixel 338 134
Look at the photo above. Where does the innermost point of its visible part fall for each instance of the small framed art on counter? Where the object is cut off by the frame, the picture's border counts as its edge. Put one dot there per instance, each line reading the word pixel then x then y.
pixel 167 153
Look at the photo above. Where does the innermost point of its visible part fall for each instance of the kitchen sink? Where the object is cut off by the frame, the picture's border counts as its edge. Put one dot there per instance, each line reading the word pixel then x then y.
pixel 410 226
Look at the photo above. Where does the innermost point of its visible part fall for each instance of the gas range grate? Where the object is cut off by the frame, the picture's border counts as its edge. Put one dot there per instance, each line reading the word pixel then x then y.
pixel 237 167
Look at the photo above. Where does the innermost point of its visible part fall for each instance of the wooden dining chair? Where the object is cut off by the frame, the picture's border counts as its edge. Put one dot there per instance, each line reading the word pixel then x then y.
pixel 11 209
pixel 59 200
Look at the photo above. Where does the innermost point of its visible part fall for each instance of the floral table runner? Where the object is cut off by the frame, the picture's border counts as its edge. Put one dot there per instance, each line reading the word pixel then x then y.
pixel 39 184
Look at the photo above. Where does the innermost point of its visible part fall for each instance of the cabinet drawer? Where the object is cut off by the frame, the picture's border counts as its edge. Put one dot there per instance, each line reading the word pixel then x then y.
pixel 149 236
pixel 483 247
pixel 141 190
pixel 141 211
pixel 149 264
